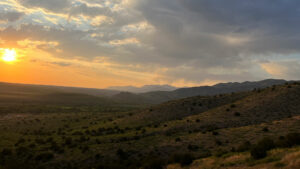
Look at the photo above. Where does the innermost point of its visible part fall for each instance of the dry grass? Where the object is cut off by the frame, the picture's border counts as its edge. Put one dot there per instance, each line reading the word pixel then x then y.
pixel 277 159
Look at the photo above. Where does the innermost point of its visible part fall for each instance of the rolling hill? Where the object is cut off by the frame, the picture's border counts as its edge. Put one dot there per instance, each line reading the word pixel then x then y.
pixel 26 93
pixel 222 88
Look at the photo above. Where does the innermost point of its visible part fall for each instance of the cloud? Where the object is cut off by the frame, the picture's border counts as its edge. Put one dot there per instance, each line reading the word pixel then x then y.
pixel 11 16
pixel 283 69
pixel 190 41
pixel 91 11
pixel 52 5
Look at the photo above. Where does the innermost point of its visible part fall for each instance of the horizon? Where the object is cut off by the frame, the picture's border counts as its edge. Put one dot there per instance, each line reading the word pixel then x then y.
pixel 97 44
pixel 139 87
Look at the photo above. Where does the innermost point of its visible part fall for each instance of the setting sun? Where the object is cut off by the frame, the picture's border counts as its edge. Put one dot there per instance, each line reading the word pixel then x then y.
pixel 9 55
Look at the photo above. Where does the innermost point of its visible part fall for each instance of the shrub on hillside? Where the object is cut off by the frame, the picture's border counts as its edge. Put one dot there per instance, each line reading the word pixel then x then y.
pixel 182 159
pixel 265 129
pixel 6 152
pixel 155 164
pixel 245 146
pixel 192 147
pixel 122 154
pixel 259 150
pixel 291 139
pixel 68 141
pixel 237 114
pixel 44 157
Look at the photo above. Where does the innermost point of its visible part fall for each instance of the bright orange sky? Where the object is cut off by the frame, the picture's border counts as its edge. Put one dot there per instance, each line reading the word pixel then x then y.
pixel 30 68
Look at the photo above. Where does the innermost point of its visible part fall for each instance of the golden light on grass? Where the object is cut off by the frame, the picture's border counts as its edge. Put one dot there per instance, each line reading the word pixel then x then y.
pixel 9 55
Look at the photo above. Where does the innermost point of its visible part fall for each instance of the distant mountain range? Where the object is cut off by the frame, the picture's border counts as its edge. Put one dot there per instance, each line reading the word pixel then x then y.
pixel 157 97
pixel 143 89
pixel 158 94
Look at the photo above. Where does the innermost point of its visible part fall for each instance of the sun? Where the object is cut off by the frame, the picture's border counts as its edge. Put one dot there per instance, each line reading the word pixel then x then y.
pixel 9 55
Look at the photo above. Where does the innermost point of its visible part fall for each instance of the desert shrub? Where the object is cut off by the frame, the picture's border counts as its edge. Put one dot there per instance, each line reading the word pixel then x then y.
pixel 98 141
pixel 215 133
pixel 192 147
pixel 182 159
pixel 22 151
pixel 177 139
pixel 49 140
pixel 43 157
pixel 82 139
pixel 291 139
pixel 245 146
pixel 155 163
pixel 209 128
pixel 122 154
pixel 79 133
pixel 56 148
pixel 237 114
pixel 266 143
pixel 258 152
pixel 220 152
pixel 260 149
pixel 39 141
pixel 85 149
pixel 20 141
pixel 233 106
pixel 198 120
pixel 32 145
pixel 98 156
pixel 6 152
pixel 265 129
pixel 218 142
pixel 68 141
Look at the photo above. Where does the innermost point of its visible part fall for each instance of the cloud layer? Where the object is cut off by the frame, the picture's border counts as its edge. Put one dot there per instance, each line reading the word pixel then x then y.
pixel 182 42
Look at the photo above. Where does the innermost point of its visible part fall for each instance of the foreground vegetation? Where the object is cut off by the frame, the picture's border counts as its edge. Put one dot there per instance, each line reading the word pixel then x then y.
pixel 248 129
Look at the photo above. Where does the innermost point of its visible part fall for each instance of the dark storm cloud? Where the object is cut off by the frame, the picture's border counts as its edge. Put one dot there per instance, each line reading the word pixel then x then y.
pixel 194 28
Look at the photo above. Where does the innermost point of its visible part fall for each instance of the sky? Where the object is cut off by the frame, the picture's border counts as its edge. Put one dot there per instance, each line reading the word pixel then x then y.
pixel 101 43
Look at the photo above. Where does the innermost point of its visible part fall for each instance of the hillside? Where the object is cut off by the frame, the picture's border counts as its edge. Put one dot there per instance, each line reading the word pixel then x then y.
pixel 201 127
pixel 25 93
pixel 14 88
pixel 288 158
pixel 222 88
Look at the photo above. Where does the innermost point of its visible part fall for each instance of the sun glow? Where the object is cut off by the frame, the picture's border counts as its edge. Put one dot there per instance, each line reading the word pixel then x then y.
pixel 9 55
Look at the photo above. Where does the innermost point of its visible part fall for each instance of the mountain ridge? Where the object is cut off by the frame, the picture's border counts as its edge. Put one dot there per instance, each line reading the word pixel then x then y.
pixel 143 89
